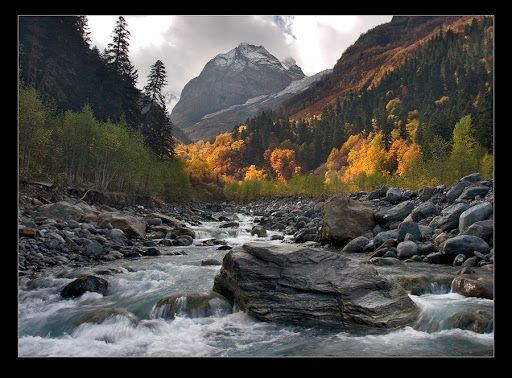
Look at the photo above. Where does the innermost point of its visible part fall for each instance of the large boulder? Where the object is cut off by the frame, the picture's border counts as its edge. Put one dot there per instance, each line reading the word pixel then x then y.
pixel 398 212
pixel 85 283
pixel 345 219
pixel 482 229
pixel 471 192
pixel 456 190
pixel 466 244
pixel 294 284
pixel 474 214
pixel 469 286
pixel 130 225
pixel 424 210
pixel 449 218
pixel 61 210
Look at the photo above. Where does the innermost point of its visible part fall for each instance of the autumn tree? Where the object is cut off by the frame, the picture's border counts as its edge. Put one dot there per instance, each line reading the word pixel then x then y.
pixel 284 164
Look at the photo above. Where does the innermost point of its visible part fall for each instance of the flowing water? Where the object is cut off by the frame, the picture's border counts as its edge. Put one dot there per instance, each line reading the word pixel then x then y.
pixel 47 322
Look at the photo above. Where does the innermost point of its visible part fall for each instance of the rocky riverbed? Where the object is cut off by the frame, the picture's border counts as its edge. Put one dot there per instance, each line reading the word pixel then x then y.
pixel 431 240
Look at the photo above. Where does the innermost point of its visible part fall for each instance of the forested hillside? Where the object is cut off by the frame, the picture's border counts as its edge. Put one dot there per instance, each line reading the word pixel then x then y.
pixel 427 121
pixel 83 121
pixel 409 104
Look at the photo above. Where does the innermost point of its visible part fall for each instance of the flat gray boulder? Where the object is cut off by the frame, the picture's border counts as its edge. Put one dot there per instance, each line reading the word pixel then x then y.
pixel 286 283
pixel 61 210
pixel 474 214
pixel 466 244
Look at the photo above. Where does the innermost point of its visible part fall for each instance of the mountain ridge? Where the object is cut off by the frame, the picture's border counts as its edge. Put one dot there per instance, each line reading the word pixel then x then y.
pixel 363 64
pixel 231 79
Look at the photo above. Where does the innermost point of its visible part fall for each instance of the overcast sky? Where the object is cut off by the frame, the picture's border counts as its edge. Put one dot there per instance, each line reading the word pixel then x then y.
pixel 186 43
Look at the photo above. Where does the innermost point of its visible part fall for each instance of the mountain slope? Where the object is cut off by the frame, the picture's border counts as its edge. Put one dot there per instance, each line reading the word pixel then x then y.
pixel 365 63
pixel 233 78
pixel 224 120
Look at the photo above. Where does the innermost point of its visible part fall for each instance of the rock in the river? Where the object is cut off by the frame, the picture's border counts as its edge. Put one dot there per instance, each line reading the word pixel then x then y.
pixel 480 321
pixel 178 231
pixel 206 262
pixel 258 230
pixel 183 240
pixel 85 283
pixel 345 219
pixel 192 305
pixel 129 224
pixel 99 316
pixel 470 286
pixel 295 284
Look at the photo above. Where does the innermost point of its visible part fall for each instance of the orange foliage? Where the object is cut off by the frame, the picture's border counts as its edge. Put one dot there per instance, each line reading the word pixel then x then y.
pixel 284 164
pixel 404 153
pixel 369 156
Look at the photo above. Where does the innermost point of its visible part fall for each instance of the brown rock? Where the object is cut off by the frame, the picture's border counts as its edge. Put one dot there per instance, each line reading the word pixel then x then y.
pixel 131 225
pixel 27 231
pixel 345 219
pixel 474 287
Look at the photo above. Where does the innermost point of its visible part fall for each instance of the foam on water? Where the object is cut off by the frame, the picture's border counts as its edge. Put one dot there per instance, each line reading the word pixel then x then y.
pixel 47 321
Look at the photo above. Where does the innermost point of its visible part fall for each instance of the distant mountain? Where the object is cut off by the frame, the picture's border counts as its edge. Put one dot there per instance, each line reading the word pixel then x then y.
pixel 231 87
pixel 223 120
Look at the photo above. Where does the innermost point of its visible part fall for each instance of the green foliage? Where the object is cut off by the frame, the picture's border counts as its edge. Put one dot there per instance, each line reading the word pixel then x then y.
pixel 76 148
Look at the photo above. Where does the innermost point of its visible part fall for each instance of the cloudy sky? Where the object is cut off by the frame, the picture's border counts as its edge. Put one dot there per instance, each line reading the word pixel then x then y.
pixel 186 43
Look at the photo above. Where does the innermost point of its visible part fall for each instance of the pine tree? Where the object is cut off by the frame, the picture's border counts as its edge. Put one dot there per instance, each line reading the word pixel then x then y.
pixel 157 127
pixel 83 29
pixel 117 51
pixel 156 81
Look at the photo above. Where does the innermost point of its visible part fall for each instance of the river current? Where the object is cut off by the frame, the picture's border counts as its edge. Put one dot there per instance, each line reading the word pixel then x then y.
pixel 47 322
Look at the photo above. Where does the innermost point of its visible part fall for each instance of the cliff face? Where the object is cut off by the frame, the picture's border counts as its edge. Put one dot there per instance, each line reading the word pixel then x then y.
pixel 230 79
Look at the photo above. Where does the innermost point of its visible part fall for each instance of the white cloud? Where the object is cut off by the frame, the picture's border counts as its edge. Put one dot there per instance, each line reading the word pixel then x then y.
pixel 186 43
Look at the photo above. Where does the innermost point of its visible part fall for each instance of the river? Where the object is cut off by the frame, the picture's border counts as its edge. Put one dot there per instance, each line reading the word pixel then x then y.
pixel 46 321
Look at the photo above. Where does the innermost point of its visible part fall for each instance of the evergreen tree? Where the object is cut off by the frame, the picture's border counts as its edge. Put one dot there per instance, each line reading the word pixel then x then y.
pixel 118 52
pixel 156 81
pixel 157 127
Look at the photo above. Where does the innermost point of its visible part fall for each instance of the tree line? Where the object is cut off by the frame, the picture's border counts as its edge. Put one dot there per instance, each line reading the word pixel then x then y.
pixel 56 58
pixel 81 118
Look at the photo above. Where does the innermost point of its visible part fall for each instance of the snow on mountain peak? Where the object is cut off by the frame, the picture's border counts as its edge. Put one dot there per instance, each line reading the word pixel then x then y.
pixel 245 54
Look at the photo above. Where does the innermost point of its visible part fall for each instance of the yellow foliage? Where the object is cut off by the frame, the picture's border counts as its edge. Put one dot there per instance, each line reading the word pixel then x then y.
pixel 254 174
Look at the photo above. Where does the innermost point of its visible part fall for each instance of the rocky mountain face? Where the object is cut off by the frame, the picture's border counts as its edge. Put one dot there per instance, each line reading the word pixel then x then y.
pixel 234 86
